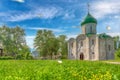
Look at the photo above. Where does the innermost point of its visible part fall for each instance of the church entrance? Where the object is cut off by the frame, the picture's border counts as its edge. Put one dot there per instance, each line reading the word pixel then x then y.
pixel 81 56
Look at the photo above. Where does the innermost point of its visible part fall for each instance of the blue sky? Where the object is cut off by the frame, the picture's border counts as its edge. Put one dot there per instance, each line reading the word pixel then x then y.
pixel 60 16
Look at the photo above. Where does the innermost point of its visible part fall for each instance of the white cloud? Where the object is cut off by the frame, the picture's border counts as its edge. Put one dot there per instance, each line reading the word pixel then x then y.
pixel 68 16
pixel 114 34
pixel 20 1
pixel 54 30
pixel 30 37
pixel 117 16
pixel 102 8
pixel 44 13
pixel 75 27
pixel 71 36
pixel 30 41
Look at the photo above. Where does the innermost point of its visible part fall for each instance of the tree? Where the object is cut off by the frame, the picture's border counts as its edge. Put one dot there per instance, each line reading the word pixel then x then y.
pixel 13 41
pixel 46 43
pixel 5 37
pixel 18 37
pixel 53 44
pixel 118 52
pixel 116 40
pixel 63 45
pixel 117 46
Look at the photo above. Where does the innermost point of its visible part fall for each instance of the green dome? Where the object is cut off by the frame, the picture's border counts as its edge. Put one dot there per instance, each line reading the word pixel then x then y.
pixel 88 19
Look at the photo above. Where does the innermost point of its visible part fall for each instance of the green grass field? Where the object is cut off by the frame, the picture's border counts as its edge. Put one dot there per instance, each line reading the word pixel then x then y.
pixel 52 70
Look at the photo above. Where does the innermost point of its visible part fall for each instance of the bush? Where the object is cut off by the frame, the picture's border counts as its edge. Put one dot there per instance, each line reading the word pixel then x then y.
pixel 6 58
pixel 19 57
pixel 118 52
pixel 64 57
pixel 29 57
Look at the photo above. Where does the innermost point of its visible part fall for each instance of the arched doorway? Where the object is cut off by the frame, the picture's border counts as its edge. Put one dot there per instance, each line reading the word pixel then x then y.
pixel 81 56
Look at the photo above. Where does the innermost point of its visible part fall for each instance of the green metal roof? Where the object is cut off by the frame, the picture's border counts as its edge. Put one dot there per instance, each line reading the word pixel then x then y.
pixel 104 36
pixel 89 34
pixel 88 19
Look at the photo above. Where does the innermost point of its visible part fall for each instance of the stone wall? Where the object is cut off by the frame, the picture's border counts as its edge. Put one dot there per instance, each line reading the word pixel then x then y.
pixel 97 47
pixel 93 48
pixel 72 49
pixel 86 49
pixel 110 48
pixel 89 28
pixel 105 52
pixel 82 49
pixel 102 49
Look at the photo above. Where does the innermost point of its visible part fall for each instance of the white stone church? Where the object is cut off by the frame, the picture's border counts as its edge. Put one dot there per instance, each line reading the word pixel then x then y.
pixel 89 45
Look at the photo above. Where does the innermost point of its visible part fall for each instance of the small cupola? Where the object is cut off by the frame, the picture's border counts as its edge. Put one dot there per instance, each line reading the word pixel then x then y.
pixel 88 19
pixel 88 25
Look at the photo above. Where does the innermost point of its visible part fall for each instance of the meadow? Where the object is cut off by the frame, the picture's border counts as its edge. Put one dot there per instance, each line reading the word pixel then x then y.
pixel 52 70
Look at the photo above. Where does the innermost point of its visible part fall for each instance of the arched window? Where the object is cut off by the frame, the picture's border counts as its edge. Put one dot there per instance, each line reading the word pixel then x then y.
pixel 72 44
pixel 71 54
pixel 92 42
pixel 109 47
pixel 93 55
pixel 81 43
pixel 91 29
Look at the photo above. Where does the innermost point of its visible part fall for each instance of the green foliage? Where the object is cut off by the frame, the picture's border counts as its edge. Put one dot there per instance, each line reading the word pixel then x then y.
pixel 116 39
pixel 118 52
pixel 45 43
pixel 104 36
pixel 52 70
pixel 48 45
pixel 6 58
pixel 13 42
pixel 63 46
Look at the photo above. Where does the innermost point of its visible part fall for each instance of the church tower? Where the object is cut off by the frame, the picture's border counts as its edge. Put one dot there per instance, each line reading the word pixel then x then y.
pixel 89 24
pixel 89 45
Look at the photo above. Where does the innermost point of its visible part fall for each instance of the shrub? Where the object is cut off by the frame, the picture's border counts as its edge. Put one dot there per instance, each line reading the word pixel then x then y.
pixel 118 52
pixel 6 58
